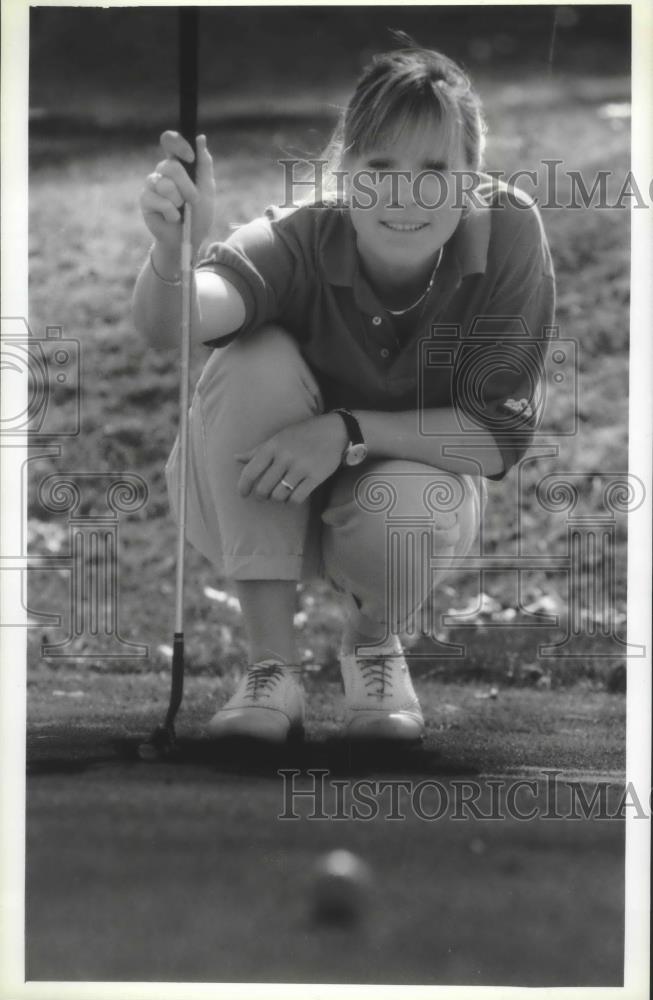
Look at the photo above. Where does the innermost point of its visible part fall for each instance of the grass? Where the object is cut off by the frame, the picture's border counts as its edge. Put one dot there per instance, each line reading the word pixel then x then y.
pixel 87 243
pixel 197 843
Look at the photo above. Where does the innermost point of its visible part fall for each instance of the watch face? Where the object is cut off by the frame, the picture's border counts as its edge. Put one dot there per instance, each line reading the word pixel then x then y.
pixel 355 454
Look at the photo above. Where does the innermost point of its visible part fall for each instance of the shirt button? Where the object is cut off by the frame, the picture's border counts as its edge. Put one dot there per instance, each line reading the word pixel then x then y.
pixel 385 353
pixel 377 320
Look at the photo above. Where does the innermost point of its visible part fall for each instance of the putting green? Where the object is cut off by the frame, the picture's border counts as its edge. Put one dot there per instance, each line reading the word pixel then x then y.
pixel 184 870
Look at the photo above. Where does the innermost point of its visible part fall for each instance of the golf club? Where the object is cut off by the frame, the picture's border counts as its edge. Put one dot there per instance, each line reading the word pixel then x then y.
pixel 162 741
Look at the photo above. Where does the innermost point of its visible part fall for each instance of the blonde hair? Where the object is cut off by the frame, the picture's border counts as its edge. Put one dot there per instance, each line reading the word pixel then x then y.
pixel 398 90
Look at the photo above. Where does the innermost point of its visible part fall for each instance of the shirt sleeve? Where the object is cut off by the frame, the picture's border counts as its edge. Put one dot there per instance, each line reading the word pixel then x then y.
pixel 260 259
pixel 499 380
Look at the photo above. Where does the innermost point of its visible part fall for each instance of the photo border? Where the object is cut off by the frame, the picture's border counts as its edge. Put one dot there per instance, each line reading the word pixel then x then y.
pixel 15 63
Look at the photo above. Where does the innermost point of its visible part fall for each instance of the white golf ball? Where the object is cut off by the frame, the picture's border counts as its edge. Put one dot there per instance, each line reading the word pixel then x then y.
pixel 342 886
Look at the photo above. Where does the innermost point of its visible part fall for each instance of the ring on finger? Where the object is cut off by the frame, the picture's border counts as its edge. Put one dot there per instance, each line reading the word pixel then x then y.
pixel 287 485
pixel 154 179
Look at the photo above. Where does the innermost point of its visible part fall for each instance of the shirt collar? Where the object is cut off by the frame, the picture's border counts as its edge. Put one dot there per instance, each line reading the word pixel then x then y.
pixel 468 245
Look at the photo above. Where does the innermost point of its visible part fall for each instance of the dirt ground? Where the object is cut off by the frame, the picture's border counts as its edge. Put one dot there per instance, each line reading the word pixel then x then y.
pixel 183 871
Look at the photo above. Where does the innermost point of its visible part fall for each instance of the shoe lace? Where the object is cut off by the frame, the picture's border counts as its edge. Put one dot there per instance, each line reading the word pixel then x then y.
pixel 261 678
pixel 377 670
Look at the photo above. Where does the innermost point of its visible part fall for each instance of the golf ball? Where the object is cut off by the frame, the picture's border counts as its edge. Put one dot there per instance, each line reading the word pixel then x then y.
pixel 341 887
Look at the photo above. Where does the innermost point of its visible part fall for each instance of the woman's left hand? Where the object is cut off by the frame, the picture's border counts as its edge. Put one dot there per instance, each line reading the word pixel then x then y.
pixel 302 455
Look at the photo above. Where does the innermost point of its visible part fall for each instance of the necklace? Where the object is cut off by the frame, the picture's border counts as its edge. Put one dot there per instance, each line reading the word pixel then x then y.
pixel 401 312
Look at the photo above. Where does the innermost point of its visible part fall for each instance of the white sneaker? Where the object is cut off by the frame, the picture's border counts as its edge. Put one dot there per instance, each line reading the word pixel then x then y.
pixel 380 700
pixel 268 705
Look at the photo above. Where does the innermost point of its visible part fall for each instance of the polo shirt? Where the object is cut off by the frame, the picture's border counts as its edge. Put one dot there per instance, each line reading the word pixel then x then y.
pixel 477 343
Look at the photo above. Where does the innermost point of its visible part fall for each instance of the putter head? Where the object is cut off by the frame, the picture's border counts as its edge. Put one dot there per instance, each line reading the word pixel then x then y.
pixel 159 745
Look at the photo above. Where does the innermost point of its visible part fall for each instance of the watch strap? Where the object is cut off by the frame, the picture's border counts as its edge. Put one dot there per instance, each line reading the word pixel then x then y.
pixel 352 425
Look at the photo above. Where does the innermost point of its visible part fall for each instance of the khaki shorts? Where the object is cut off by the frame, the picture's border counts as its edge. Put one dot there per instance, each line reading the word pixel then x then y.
pixel 367 529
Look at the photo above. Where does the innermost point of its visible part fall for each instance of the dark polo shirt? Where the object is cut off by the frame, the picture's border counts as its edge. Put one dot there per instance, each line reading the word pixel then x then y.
pixel 476 344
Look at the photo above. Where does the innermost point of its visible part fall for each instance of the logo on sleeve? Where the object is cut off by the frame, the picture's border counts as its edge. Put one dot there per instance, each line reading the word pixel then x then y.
pixel 520 407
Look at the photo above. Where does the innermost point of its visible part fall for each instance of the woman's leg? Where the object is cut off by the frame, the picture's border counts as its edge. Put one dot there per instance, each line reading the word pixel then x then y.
pixel 247 392
pixel 391 529
pixel 268 608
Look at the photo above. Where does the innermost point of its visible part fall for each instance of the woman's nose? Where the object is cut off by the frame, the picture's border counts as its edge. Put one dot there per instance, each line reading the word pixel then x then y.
pixel 397 189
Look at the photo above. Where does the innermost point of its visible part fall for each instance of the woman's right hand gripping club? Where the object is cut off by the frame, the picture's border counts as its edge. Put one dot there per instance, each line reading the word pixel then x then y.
pixel 169 187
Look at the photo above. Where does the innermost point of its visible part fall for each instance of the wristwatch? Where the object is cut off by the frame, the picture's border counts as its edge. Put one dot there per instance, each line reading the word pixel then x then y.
pixel 356 450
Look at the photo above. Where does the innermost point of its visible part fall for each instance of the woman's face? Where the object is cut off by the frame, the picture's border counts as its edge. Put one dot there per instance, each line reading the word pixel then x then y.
pixel 405 199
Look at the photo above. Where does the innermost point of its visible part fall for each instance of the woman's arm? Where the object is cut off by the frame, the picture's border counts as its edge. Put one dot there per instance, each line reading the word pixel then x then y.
pixel 398 435
pixel 307 453
pixel 218 307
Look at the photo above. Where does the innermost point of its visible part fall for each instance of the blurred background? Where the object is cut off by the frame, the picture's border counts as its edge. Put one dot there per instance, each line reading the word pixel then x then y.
pixel 117 66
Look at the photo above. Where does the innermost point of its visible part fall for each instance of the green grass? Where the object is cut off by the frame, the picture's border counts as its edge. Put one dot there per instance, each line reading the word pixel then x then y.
pixel 87 243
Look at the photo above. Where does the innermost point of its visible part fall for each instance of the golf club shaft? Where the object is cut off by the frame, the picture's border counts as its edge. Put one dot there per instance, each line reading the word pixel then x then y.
pixel 188 81
pixel 177 686
pixel 186 306
pixel 188 94
pixel 161 743
pixel 188 77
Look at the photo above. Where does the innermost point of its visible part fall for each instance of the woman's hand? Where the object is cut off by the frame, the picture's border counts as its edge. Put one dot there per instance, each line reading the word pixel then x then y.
pixel 303 455
pixel 169 187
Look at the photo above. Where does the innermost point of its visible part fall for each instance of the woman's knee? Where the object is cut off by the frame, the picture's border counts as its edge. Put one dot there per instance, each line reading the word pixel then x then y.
pixel 397 495
pixel 266 354
pixel 262 372
pixel 397 524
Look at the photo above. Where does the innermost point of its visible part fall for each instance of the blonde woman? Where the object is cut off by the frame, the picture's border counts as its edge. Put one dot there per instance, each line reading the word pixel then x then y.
pixel 316 394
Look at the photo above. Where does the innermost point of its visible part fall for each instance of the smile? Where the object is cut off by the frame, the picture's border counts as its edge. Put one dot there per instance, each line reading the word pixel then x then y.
pixel 405 227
